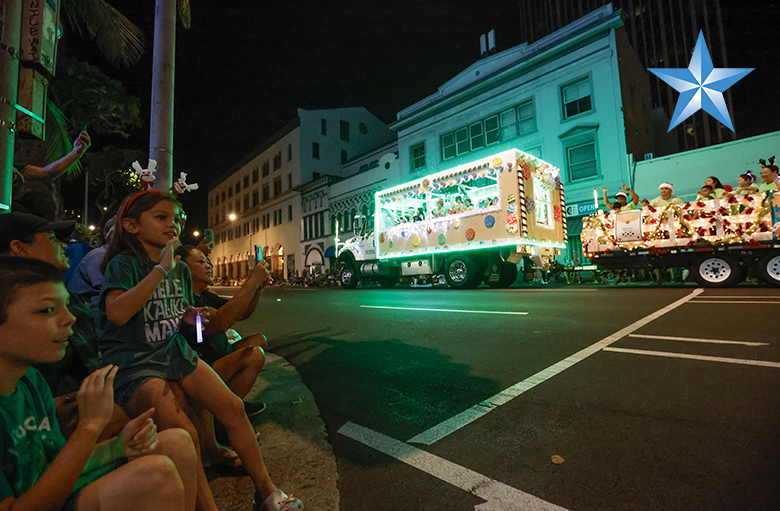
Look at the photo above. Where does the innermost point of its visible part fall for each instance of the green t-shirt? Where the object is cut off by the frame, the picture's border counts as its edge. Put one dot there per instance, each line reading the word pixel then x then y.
pixel 30 436
pixel 81 354
pixel 215 346
pixel 658 202
pixel 767 187
pixel 149 344
pixel 630 206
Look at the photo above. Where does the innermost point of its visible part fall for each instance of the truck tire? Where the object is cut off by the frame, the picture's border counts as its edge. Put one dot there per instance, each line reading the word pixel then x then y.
pixel 768 269
pixel 388 282
pixel 717 271
pixel 507 276
pixel 348 275
pixel 462 272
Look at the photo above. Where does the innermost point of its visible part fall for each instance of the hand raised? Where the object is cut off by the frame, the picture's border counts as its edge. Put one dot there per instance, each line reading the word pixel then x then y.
pixel 603 188
pixel 260 273
pixel 169 259
pixel 96 398
pixel 192 313
pixel 82 143
pixel 139 436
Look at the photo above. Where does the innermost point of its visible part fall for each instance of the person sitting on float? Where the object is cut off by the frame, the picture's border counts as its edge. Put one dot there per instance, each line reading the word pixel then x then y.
pixel 439 211
pixel 458 208
pixel 419 216
pixel 706 193
pixel 718 190
pixel 468 206
pixel 666 198
pixel 769 179
pixel 745 184
pixel 622 198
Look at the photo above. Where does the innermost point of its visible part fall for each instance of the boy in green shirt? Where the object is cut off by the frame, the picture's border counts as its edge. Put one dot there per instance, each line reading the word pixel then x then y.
pixel 666 196
pixel 138 470
pixel 622 198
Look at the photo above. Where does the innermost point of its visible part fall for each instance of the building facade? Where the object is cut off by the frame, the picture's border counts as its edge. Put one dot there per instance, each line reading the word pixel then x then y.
pixel 258 202
pixel 577 98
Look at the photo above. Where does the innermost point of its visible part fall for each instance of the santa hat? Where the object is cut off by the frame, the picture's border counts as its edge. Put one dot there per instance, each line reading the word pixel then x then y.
pixel 624 194
pixel 666 185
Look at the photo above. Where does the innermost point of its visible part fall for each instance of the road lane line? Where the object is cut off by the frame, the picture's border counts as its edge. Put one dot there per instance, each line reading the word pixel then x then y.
pixel 728 301
pixel 440 310
pixel 461 477
pixel 468 416
pixel 691 339
pixel 743 361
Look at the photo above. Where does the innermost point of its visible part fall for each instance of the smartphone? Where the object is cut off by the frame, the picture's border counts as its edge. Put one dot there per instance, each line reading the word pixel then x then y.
pixel 258 253
pixel 208 235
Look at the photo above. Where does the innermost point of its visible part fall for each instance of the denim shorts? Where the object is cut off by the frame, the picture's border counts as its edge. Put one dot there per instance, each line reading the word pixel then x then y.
pixel 123 394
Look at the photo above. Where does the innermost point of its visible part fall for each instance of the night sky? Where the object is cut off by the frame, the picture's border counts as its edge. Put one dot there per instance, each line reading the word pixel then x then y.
pixel 244 67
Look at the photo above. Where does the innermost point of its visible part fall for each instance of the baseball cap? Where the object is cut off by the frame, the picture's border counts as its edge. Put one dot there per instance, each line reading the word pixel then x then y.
pixel 17 225
pixel 624 194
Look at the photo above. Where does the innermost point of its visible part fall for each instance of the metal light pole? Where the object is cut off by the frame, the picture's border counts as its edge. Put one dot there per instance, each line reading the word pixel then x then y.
pixel 163 67
pixel 10 35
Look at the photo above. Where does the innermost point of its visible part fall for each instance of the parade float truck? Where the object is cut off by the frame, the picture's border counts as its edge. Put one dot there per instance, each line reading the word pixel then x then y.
pixel 718 240
pixel 471 223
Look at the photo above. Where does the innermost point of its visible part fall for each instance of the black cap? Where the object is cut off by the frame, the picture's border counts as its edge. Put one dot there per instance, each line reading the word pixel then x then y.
pixel 17 225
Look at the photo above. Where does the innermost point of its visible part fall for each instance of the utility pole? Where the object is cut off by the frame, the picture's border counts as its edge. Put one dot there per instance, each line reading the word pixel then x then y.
pixel 163 68
pixel 10 34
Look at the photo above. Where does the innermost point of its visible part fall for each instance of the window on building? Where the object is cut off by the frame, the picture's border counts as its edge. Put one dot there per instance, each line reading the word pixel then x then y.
pixel 255 175
pixel 315 150
pixel 289 213
pixel 238 187
pixel 289 181
pixel 230 234
pixel 223 196
pixel 448 146
pixel 266 196
pixel 476 136
pixel 255 198
pixel 418 156
pixel 279 211
pixel 344 131
pixel 333 220
pixel 216 218
pixel 276 219
pixel 316 226
pixel 305 228
pixel 491 130
pixel 246 202
pixel 576 98
pixel 238 205
pixel 322 223
pixel 278 160
pixel 343 156
pixel 277 186
pixel 246 181
pixel 266 168
pixel 462 141
pixel 527 117
pixel 230 193
pixel 543 198
pixel 324 126
pixel 362 128
pixel 581 160
pixel 216 200
pixel 246 228
pixel 508 124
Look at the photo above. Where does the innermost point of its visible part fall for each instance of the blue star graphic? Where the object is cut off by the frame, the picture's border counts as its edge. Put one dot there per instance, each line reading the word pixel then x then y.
pixel 701 86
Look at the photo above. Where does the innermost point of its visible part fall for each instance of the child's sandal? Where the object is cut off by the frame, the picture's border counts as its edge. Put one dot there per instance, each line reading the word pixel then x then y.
pixel 279 501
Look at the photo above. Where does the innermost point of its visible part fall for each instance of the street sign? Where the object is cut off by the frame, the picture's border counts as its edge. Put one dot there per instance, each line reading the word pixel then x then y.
pixel 39 33
pixel 580 209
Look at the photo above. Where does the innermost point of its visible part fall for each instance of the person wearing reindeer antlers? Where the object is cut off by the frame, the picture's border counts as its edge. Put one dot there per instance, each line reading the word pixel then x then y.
pixel 769 178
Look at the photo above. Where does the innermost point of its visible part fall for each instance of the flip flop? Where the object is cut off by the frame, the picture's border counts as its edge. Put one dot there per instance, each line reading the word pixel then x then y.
pixel 278 501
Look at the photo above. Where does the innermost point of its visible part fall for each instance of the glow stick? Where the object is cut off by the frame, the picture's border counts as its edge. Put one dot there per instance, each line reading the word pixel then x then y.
pixel 198 328
pixel 596 199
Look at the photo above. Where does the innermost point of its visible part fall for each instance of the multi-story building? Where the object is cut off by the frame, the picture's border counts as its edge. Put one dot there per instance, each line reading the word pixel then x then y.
pixel 578 98
pixel 257 202
pixel 663 35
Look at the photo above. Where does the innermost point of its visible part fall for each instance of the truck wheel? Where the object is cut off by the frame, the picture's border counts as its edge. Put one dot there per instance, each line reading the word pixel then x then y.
pixel 717 271
pixel 462 272
pixel 348 276
pixel 507 276
pixel 388 282
pixel 768 269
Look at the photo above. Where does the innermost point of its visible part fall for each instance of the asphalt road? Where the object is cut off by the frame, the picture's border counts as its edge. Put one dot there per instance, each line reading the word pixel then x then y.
pixel 575 398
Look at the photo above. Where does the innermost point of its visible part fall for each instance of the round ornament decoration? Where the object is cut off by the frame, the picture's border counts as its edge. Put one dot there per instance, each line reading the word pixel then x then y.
pixel 511 218
pixel 497 162
pixel 490 221
pixel 403 234
pixel 382 238
pixel 530 204
pixel 416 241
pixel 456 224
pixel 511 208
pixel 557 213
pixel 442 239
pixel 391 243
pixel 512 228
pixel 470 234
pixel 526 170
pixel 426 182
pixel 429 230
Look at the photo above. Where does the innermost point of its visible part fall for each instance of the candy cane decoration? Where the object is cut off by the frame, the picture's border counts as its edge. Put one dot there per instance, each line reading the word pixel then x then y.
pixel 563 215
pixel 521 204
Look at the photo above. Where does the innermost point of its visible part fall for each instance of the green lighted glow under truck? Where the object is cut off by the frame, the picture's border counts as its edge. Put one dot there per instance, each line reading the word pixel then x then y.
pixel 471 223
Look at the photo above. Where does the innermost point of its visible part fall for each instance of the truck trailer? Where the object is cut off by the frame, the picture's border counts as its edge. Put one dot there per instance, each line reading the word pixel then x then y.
pixel 472 223
pixel 721 241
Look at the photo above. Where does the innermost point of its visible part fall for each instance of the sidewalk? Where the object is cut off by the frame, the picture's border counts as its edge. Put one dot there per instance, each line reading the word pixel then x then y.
pixel 294 444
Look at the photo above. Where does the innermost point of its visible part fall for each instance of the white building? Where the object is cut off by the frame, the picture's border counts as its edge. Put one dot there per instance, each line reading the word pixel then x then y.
pixel 577 98
pixel 257 202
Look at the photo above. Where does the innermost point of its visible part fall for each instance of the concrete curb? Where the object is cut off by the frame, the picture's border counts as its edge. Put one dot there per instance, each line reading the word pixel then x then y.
pixel 294 443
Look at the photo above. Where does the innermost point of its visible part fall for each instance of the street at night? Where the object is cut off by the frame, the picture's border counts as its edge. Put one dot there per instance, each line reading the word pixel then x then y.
pixel 588 397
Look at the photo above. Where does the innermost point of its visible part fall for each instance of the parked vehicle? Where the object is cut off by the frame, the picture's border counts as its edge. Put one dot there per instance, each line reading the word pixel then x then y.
pixel 719 240
pixel 471 223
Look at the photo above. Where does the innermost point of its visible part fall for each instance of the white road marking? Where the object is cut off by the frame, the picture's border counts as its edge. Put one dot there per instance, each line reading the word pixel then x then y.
pixel 736 296
pixel 468 416
pixel 743 361
pixel 502 495
pixel 691 339
pixel 440 310
pixel 729 301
